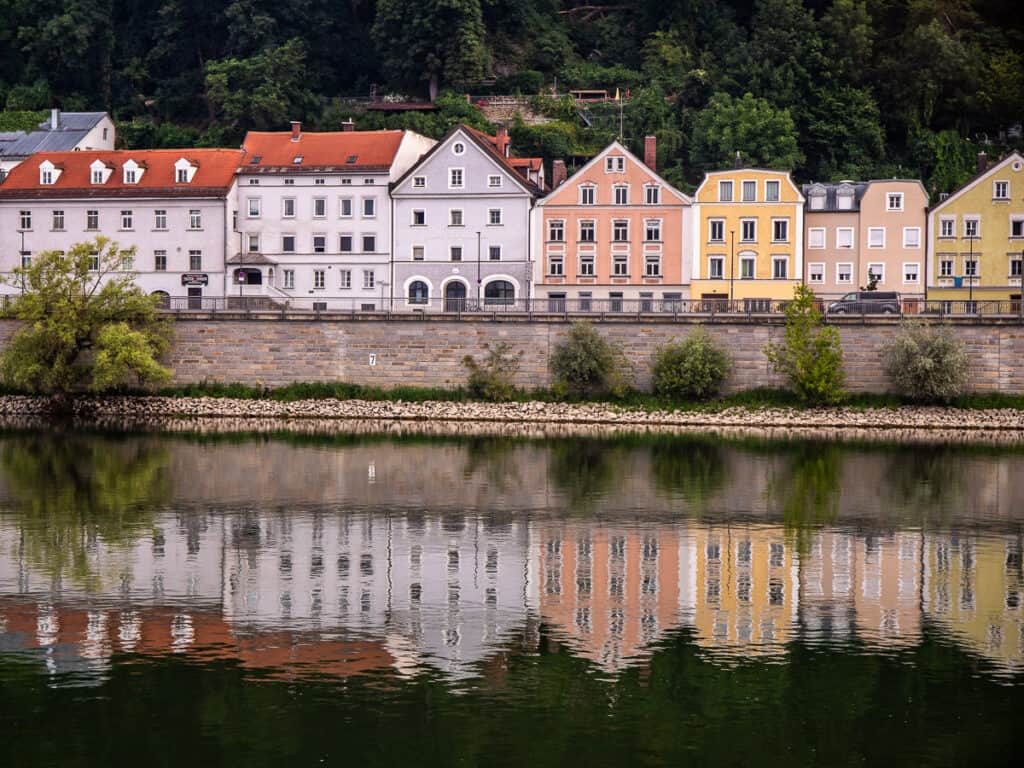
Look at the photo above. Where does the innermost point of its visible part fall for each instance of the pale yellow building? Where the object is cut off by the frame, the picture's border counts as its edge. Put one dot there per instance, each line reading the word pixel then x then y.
pixel 748 238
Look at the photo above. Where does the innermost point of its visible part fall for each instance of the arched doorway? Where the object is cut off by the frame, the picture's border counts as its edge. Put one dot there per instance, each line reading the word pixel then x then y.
pixel 163 299
pixel 499 292
pixel 455 296
pixel 418 292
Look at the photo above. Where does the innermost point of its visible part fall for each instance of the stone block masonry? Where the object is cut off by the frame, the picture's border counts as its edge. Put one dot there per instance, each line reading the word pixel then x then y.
pixel 429 353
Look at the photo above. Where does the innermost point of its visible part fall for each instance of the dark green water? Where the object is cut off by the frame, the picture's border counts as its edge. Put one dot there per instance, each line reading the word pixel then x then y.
pixel 186 600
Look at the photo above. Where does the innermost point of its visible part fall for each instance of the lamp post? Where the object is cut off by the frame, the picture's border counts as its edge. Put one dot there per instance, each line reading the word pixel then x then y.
pixel 479 280
pixel 974 270
pixel 21 260
pixel 732 263
pixel 383 284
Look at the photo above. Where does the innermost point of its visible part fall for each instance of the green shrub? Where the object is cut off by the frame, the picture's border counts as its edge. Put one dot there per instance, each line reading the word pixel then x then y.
pixel 690 369
pixel 810 355
pixel 926 363
pixel 586 364
pixel 492 379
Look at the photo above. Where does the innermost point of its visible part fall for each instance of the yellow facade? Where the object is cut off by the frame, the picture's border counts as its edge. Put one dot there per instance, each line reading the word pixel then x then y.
pixel 748 242
pixel 995 201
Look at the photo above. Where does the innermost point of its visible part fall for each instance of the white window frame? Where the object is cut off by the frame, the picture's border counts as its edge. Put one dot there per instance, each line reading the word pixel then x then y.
pixel 556 265
pixel 615 164
pixel 780 260
pixel 840 231
pixel 894 196
pixel 753 271
pixel 1016 220
pixel 494 181
pixel 295 243
pixel 127 220
pixel 342 202
pixel 947 220
pixel 319 279
pixel 322 237
pixel 423 215
pixel 321 203
pixel 951 262
pixel 652 191
pixel 592 226
pixel 977 227
pixel 1015 258
pixel 816 268
pixel 917 272
pixel 615 228
pixel 362 242
pixel 351 242
pixel 289 279
pixel 345 279
pixel 655 260
pixel 711 234
pixel 592 190
pixel 995 191
pixel 649 225
pixel 712 260
pixel 456 178
pixel 558 224
pixel 906 242
pixel 253 207
pixel 778 190
pixel 253 245
pixel 775 223
pixel 57 220
pixel 491 250
pixel 620 265
pixel 587 265
pixel 369 279
pixel 195 219
pixel 422 252
pixel 743 190
pixel 284 208
pixel 624 189
pixel 419 182
pixel 160 219
pixel 372 203
pixel 871 232
pixel 92 220
pixel 743 223
pixel 732 191
pixel 491 222
pixel 844 266
pixel 813 232
pixel 880 273
pixel 451 217
pixel 974 262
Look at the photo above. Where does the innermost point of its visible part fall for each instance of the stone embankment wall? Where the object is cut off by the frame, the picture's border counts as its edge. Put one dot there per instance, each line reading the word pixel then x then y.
pixel 430 352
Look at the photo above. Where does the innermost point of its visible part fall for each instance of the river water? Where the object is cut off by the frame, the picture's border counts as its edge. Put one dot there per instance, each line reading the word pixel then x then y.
pixel 189 599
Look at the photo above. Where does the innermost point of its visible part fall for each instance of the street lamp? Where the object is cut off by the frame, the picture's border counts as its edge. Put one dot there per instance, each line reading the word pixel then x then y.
pixel 479 297
pixel 974 270
pixel 732 263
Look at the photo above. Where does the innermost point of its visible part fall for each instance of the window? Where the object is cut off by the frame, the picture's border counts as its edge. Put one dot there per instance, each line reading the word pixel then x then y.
pixel 159 261
pixel 615 164
pixel 816 237
pixel 844 273
pixel 319 278
pixel 319 207
pixel 455 178
pixel 494 252
pixel 345 276
pixel 947 227
pixel 499 292
pixel 454 217
pixel 419 218
pixel 26 259
pixel 748 267
pixel 319 182
pixel 97 176
pixel 195 219
pixel 652 231
pixel 254 242
pixel 780 230
pixel 844 237
pixel 417 253
pixel 844 199
pixel 652 195
pixel 127 220
pixel 725 191
pixel 345 243
pixel 254 182
pixel 159 219
pixel 587 266
pixel 58 220
pixel 556 231
pixel 1015 266
pixel 288 208
pixel 288 243
pixel 911 272
pixel 749 191
pixel 621 195
pixel 289 278
pixel 494 217
pixel 716 267
pixel 894 201
pixel 346 208
pixel 455 253
pixel 652 265
pixel 911 237
pixel 876 237
pixel 195 261
pixel 817 201
pixel 780 267
pixel 182 175
pixel 945 268
pixel 458 148
pixel 92 219
pixel 419 182
pixel 620 265
pixel 816 272
pixel 369 207
pixel 494 182
pixel 130 176
pixel 970 266
pixel 45 176
pixel 876 271
pixel 748 230
pixel 586 231
pixel 254 207
pixel 1000 190
pixel 369 279
pixel 26 219
pixel 587 195
pixel 620 230
pixel 418 292
pixel 1016 228
pixel 369 244
pixel 771 191
pixel 716 230
pixel 971 228
pixel 556 266
pixel 319 243
pixel 94 262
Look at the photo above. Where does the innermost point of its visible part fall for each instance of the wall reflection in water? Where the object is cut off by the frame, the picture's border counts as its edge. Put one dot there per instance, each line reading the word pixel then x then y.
pixel 336 558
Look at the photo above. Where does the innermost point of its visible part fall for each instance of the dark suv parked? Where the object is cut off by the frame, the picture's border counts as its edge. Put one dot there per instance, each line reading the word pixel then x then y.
pixel 867 303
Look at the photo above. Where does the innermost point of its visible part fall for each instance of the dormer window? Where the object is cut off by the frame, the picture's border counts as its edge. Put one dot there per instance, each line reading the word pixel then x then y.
pixel 132 172
pixel 97 177
pixel 297 160
pixel 816 195
pixel 184 170
pixel 844 198
pixel 48 173
pixel 46 177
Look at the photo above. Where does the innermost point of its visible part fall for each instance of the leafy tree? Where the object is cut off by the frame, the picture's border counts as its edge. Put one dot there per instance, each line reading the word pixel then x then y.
pixel 585 363
pixel 810 355
pixel 764 135
pixel 692 369
pixel 494 378
pixel 925 363
pixel 84 324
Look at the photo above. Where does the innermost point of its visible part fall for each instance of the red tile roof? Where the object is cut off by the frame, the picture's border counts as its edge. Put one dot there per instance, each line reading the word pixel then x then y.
pixel 344 150
pixel 214 175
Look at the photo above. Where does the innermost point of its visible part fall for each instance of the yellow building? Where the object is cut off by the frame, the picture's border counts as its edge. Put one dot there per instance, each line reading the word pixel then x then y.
pixel 748 242
pixel 975 239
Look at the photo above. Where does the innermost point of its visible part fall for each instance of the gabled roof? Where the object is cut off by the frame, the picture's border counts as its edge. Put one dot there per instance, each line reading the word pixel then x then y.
pixel 357 151
pixel 991 170
pixel 72 127
pixel 708 175
pixel 75 121
pixel 489 144
pixel 215 174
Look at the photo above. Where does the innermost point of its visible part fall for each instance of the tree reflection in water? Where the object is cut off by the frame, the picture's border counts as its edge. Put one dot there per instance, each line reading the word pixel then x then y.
pixel 694 470
pixel 807 491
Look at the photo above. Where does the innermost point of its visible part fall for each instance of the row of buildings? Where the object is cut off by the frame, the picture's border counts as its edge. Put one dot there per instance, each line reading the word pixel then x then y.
pixel 371 220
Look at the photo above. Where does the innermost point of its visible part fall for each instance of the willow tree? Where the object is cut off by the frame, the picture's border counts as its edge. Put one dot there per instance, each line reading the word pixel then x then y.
pixel 85 325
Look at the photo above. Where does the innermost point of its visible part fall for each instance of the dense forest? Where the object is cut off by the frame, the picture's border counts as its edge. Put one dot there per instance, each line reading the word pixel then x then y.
pixel 828 88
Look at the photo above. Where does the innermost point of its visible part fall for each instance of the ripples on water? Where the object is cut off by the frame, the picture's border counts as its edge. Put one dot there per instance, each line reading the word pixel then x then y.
pixel 629 594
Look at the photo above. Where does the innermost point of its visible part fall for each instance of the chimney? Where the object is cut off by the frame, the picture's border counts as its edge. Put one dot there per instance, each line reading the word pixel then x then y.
pixel 502 141
pixel 651 152
pixel 738 161
pixel 348 125
pixel 54 119
pixel 296 130
pixel 982 161
pixel 558 173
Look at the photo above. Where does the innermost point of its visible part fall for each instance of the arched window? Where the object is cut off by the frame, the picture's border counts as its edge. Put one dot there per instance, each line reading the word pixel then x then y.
pixel 164 297
pixel 499 292
pixel 418 292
